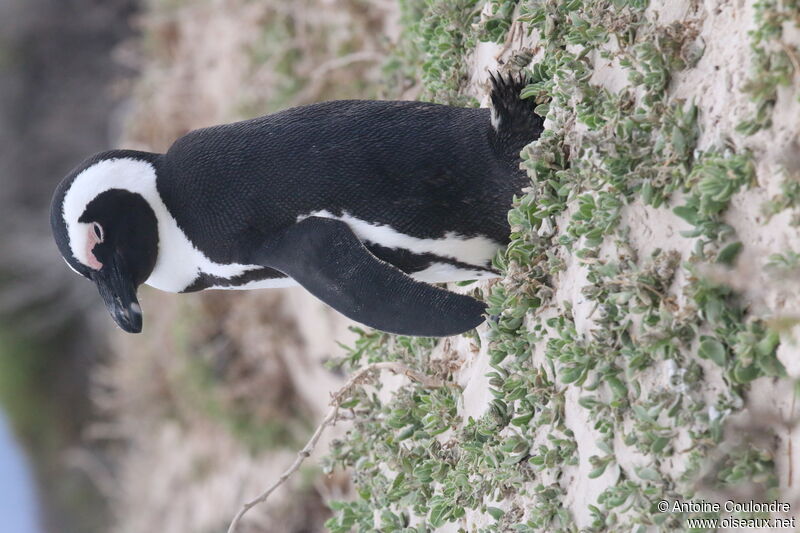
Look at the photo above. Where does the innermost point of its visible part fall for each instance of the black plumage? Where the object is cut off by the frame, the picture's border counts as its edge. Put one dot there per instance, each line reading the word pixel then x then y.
pixel 240 193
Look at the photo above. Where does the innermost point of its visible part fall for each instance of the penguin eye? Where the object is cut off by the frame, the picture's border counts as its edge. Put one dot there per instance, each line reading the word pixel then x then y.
pixel 98 231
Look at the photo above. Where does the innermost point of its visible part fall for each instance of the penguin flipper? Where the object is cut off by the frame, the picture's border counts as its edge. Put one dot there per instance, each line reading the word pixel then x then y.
pixel 327 259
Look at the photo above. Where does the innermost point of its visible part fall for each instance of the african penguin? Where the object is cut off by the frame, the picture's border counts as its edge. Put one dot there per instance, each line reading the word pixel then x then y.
pixel 360 202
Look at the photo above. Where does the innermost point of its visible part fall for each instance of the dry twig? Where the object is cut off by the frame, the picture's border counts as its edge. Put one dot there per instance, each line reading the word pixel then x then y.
pixel 330 419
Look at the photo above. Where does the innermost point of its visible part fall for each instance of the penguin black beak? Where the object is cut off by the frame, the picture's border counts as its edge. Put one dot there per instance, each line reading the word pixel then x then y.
pixel 118 291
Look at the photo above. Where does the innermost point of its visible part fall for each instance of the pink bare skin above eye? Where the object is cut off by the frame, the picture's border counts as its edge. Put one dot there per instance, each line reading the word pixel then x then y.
pixel 90 244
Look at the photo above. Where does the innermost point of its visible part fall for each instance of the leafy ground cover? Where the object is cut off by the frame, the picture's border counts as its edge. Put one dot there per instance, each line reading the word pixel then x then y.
pixel 621 372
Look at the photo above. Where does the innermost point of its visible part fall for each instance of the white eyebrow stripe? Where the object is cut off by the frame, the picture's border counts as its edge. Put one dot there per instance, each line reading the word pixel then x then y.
pixel 179 261
pixel 128 174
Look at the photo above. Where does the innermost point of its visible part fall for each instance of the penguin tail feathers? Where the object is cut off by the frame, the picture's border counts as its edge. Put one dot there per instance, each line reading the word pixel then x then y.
pixel 513 118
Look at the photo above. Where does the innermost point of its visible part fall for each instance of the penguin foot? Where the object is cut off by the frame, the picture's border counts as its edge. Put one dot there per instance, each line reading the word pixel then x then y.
pixel 513 118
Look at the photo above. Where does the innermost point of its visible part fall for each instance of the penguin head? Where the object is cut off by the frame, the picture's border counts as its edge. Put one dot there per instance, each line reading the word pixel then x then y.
pixel 106 229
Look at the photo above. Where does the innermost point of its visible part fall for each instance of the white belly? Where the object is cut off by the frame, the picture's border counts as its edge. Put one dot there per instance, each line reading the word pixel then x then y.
pixel 471 250
pixel 436 273
pixel 179 268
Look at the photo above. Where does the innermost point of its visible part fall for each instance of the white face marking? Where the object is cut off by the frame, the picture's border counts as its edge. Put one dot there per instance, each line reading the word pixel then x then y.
pixel 179 261
pixel 477 251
